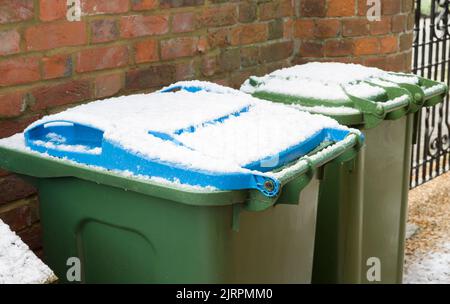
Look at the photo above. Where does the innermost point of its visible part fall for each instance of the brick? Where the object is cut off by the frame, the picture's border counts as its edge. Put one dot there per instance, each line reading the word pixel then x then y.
pixel 209 65
pixel 102 58
pixel 141 5
pixel 107 85
pixel 178 47
pixel 146 51
pixel 389 44
pixel 180 3
pixel 183 22
pixel 366 46
pixel 249 33
pixel 218 16
pixel 9 42
pixel 57 66
pixel 407 6
pixel 249 56
pixel 326 28
pixel 397 63
pixel 229 60
pixel 19 70
pixel 380 27
pixel 185 70
pixel 13 188
pixel 304 28
pixel 12 105
pixel 362 7
pixel 155 76
pixel 311 49
pixel 137 25
pixel 354 27
pixel 11 127
pixel 313 8
pixel 341 8
pixel 16 10
pixel 17 218
pixel 52 9
pixel 275 9
pixel 70 92
pixel 96 7
pixel 32 236
pixel 247 12
pixel 399 23
pixel 104 30
pixel 54 35
pixel 202 45
pixel 219 37
pixel 406 41
pixel 338 47
pixel 288 28
pixel 391 7
pixel 276 51
pixel 275 29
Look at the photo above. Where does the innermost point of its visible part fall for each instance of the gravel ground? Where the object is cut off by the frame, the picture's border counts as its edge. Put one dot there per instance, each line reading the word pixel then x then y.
pixel 427 255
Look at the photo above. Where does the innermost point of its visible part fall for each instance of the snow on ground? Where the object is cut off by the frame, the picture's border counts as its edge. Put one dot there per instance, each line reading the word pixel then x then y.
pixel 430 268
pixel 427 255
pixel 18 264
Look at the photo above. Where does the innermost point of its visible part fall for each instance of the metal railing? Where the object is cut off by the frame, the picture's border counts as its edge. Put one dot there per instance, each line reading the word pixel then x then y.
pixel 431 59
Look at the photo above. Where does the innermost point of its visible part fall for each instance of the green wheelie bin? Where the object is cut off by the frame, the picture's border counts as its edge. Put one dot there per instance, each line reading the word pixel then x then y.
pixel 360 226
pixel 134 190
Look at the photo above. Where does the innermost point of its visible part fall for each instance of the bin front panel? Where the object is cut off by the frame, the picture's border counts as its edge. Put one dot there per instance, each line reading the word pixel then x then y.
pixel 126 237
pixel 385 197
pixel 337 254
pixel 276 245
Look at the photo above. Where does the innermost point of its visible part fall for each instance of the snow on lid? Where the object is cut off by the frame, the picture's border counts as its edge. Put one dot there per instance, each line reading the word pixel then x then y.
pixel 265 130
pixel 328 110
pixel 401 78
pixel 18 265
pixel 330 72
pixel 164 112
pixel 260 129
pixel 307 88
pixel 434 89
pixel 17 142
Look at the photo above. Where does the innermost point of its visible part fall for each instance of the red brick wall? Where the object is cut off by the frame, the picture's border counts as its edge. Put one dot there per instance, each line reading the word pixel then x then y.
pixel 124 46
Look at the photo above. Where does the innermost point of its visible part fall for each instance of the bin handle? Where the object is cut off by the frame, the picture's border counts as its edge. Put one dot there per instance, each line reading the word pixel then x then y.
pixel 311 163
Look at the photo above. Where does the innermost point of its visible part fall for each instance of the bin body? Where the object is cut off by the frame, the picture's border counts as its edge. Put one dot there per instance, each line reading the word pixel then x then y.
pixel 386 185
pixel 361 221
pixel 125 237
pixel 338 247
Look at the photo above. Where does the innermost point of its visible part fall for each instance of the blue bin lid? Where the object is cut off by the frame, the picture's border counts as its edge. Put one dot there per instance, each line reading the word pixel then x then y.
pixel 196 133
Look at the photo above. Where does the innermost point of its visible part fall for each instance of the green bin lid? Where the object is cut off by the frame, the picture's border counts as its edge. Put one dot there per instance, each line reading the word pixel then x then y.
pixel 351 93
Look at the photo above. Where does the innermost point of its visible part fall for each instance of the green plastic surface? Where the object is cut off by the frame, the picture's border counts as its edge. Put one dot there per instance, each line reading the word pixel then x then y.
pixel 130 230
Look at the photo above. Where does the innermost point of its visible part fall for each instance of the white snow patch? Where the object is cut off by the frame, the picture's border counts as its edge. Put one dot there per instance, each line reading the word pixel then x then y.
pixel 328 110
pixel 432 268
pixel 264 130
pixel 325 81
pixel 434 89
pixel 18 264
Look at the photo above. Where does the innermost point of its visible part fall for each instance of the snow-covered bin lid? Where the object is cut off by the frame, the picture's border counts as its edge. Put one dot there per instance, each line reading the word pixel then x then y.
pixel 18 264
pixel 351 92
pixel 196 133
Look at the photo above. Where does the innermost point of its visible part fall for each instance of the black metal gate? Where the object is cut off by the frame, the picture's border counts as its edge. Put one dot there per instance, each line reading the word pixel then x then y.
pixel 431 59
